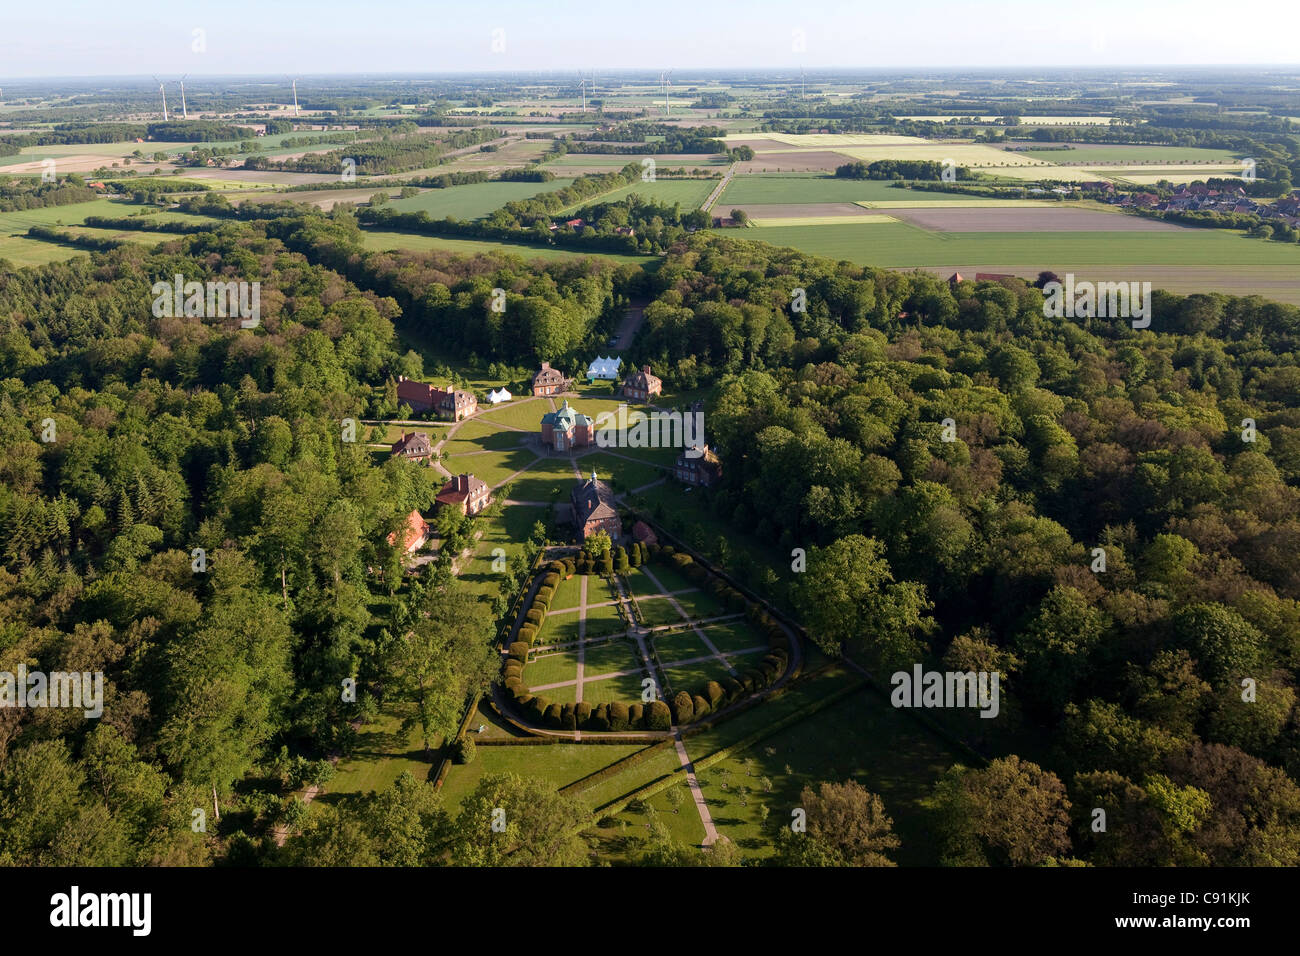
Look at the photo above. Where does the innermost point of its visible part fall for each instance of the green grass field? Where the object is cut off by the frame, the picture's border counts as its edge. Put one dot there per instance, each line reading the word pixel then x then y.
pixel 626 474
pixel 617 655
pixel 733 636
pixel 544 477
pixel 494 467
pixel 700 604
pixel 559 765
pixel 552 667
pixel 626 687
pixel 375 239
pixel 679 646
pixel 383 752
pixel 475 200
pixel 664 573
pixel 658 611
pixel 568 592
pixel 481 435
pixel 523 413
pixel 902 246
pixel 1084 153
pixel 509 531
pixel 690 193
pixel 859 738
pixel 757 189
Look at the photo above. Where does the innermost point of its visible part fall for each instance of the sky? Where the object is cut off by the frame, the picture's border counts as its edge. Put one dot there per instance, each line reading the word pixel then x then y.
pixel 141 37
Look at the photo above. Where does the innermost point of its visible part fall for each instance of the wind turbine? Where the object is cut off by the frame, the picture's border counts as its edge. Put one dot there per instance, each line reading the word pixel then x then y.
pixel 162 88
pixel 294 83
pixel 185 113
pixel 668 89
pixel 583 87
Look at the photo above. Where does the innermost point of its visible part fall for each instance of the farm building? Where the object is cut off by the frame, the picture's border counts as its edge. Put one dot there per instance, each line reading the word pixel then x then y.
pixel 593 509
pixel 567 428
pixel 471 495
pixel 413 446
pixel 548 381
pixel 499 396
pixel 704 470
pixel 643 385
pixel 449 404
pixel 414 533
pixel 604 368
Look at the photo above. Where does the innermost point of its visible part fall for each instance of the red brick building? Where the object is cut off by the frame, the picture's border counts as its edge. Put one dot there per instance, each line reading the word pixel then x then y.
pixel 414 533
pixel 594 510
pixel 567 428
pixel 471 495
pixel 548 381
pixel 704 470
pixel 450 405
pixel 642 386
pixel 413 446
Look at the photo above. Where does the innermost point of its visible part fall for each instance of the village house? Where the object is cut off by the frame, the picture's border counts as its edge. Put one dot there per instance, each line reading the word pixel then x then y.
pixel 414 533
pixel 548 381
pixel 567 428
pixel 413 446
pixel 624 231
pixel 448 404
pixel 704 470
pixel 593 509
pixel 471 495
pixel 641 386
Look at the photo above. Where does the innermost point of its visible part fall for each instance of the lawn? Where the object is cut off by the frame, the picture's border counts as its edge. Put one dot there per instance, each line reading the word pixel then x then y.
pixel 474 200
pixel 679 646
pixel 622 474
pixel 558 764
pixel 611 788
pixel 508 530
pixel 603 620
pixel 559 628
pixel 617 655
pixel 544 478
pixel 34 252
pixel 479 435
pixel 381 755
pixel 667 577
pixel 859 738
pixel 568 592
pixel 493 467
pixel 692 677
pixel 701 604
pixel 733 636
pixel 552 667
pixel 626 688
pixel 658 611
pixel 525 413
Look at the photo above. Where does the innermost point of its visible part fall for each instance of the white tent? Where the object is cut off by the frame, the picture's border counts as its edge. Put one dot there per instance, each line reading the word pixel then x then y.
pixel 606 368
pixel 499 396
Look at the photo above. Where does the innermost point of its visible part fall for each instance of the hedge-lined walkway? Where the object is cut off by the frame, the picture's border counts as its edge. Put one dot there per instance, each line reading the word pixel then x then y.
pixel 697 794
pixel 686 662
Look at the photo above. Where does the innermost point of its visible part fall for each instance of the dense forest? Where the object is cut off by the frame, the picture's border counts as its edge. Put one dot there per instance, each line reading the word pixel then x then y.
pixel 1105 516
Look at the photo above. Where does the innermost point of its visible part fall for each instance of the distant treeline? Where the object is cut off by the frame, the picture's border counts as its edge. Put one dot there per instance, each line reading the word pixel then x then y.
pixel 898 169
pixel 65 238
pixel 19 194
pixel 380 158
pixel 629 139
pixel 145 224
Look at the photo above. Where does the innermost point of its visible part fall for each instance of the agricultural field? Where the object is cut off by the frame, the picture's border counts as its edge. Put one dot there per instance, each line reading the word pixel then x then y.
pixel 475 200
pixel 748 190
pixel 1088 154
pixel 689 193
pixel 377 239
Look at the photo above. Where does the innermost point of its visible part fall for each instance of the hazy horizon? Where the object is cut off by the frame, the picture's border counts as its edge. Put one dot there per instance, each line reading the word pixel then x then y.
pixel 397 37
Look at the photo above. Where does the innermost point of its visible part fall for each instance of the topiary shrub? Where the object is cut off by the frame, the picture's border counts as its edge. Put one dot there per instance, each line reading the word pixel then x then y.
pixel 701 706
pixel 544 595
pixel 683 709
pixel 527 633
pixel 582 713
pixel 620 560
pixel 634 554
pixel 658 716
pixel 514 685
pixel 569 565
pixel 462 750
pixel 714 694
pixel 732 687
pixel 537 708
pixel 519 651
pixel 552 579
pixel 618 716
pixel 567 719
pixel 534 617
pixel 599 717
pixel 553 713
pixel 607 563
pixel 635 716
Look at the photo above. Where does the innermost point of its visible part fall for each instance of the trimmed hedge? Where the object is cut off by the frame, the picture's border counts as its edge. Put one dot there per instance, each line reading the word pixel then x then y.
pixel 658 716
pixel 618 716
pixel 553 714
pixel 631 760
pixel 582 713
pixel 519 651
pixel 683 709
